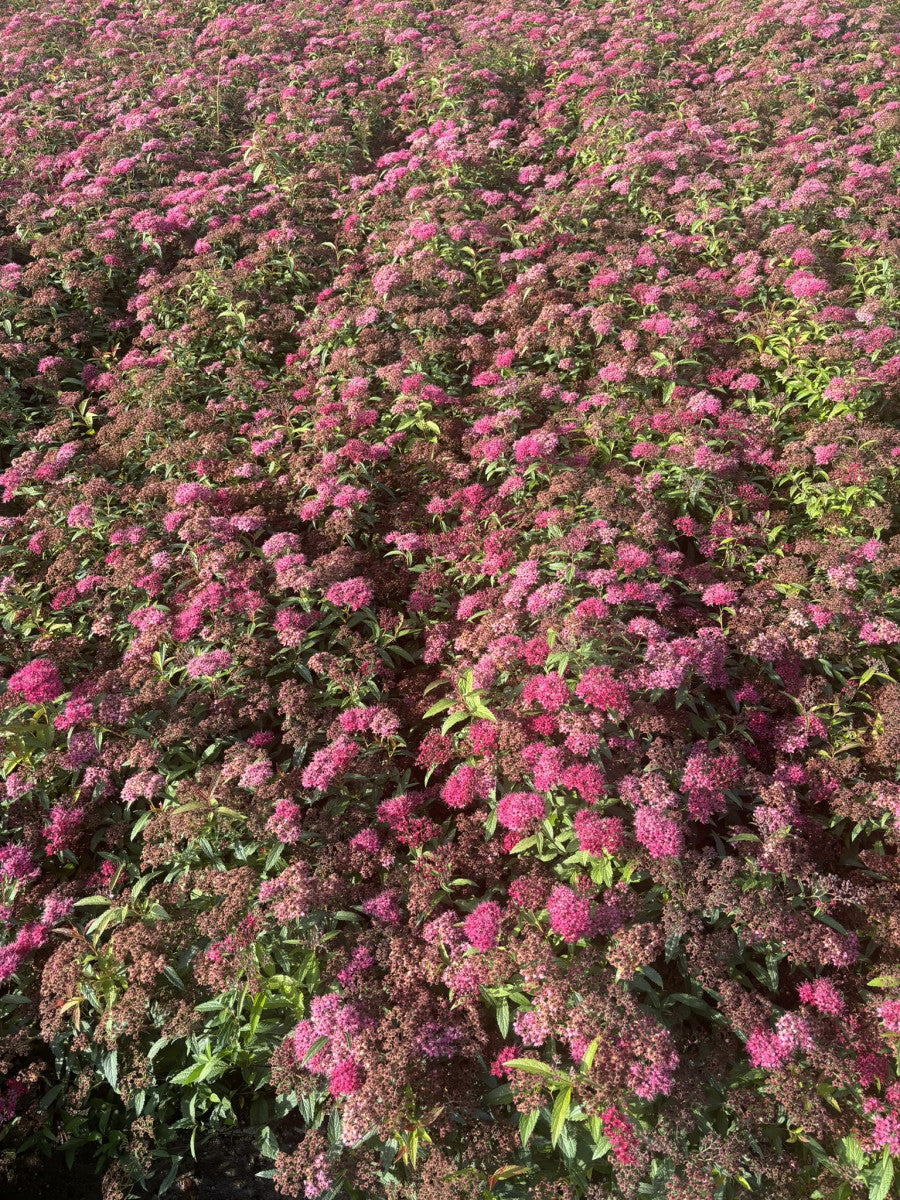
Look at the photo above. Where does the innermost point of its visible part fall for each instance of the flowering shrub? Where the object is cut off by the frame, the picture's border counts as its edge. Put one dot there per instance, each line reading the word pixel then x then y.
pixel 450 595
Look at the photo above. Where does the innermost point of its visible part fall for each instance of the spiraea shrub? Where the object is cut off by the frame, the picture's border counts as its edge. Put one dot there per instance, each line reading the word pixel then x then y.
pixel 450 595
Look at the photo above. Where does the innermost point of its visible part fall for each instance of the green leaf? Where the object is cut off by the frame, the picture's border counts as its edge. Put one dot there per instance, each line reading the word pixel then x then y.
pixel 485 714
pixel 508 1172
pixel 48 1098
pixel 173 977
pixel 531 1066
pixel 602 871
pixel 881 1178
pixel 588 1061
pixel 688 1001
pixel 602 1146
pixel 188 1075
pixel 524 844
pixel 503 1018
pixel 653 975
pixel 561 1108
pixel 439 707
pixel 267 1143
pixel 454 719
pixel 170 1176
pixel 502 1094
pixel 851 1151
pixel 156 1047
pixel 212 1069
pixel 118 914
pixel 568 1144
pixel 313 1050
pixel 210 1006
pixel 109 1066
pixel 259 1003
pixel 527 1122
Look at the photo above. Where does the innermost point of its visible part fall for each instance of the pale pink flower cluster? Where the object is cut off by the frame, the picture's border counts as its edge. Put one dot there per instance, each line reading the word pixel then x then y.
pixel 383 907
pixel 63 826
pixel 655 1060
pixel 80 516
pixel 438 1040
pixel 544 598
pixel 77 708
pixel 144 784
pixel 889 1011
pixel 771 1050
pixel 880 631
pixel 256 774
pixel 599 689
pixel 803 285
pixel 385 278
pixel 280 543
pixel 719 593
pixel 535 446
pixel 16 864
pixel 337 1021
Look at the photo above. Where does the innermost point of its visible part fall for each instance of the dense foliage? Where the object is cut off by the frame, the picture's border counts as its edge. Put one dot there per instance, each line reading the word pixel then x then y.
pixel 450 594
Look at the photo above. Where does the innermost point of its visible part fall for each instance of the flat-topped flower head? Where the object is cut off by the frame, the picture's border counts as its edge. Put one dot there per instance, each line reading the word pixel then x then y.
pixel 518 811
pixel 37 682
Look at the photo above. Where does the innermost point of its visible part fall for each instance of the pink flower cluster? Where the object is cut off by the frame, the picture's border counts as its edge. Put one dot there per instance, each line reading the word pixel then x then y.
pixel 208 664
pixel 620 1135
pixel 550 691
pixel 661 835
pixel 570 916
pixel 823 995
pixel 64 824
pixel 143 784
pixel 329 762
pixel 482 925
pixel 379 376
pixel 466 785
pixel 36 683
pixel 889 1011
pixel 352 593
pixel 599 688
pixel 518 811
pixel 598 835
pixel 286 821
pixel 803 285
pixel 771 1050
pixel 337 1021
